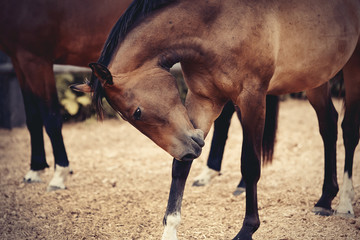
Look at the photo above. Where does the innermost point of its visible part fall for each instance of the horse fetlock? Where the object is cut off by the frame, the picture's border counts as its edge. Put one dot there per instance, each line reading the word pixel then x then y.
pixel 345 208
pixel 33 176
pixel 205 177
pixel 347 190
pixel 250 225
pixel 171 223
pixel 246 232
pixel 58 181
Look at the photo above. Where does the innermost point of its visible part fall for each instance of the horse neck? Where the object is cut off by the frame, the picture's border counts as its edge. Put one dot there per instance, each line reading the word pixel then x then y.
pixel 164 38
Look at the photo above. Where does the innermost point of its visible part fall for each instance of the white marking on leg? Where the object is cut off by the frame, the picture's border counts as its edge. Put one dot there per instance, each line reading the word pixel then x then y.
pixel 205 176
pixel 172 223
pixel 33 176
pixel 58 181
pixel 346 196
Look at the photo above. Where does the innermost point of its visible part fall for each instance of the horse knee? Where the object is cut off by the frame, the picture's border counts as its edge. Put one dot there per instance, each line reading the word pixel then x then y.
pixel 251 172
pixel 33 122
pixel 53 125
pixel 350 133
pixel 328 130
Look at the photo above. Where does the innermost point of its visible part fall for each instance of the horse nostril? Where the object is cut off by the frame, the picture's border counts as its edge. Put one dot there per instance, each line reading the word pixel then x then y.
pixel 198 140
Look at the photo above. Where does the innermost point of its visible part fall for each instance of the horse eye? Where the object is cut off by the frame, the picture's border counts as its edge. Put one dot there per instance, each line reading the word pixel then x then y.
pixel 137 114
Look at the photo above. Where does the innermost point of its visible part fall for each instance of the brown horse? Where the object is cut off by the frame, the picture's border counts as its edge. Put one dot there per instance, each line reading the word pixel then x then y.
pixel 37 34
pixel 237 50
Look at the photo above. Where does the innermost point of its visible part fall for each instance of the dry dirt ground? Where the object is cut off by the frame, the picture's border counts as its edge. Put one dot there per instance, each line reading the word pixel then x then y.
pixel 121 181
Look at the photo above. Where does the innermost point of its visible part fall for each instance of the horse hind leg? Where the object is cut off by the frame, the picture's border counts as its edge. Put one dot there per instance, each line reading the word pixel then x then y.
pixel 320 99
pixel 42 109
pixel 221 128
pixel 350 126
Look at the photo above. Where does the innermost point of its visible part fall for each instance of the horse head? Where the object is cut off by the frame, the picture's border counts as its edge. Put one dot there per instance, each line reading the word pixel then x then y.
pixel 148 98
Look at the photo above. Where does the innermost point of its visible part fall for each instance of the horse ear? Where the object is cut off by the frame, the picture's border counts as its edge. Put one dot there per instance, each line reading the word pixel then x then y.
pixel 84 87
pixel 102 73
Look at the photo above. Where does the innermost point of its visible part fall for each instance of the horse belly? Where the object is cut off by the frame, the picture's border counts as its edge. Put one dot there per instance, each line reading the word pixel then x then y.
pixel 280 85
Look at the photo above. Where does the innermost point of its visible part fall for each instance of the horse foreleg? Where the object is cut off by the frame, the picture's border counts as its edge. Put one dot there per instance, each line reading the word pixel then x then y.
pixel 53 125
pixel 42 106
pixel 350 126
pixel 34 124
pixel 180 172
pixel 252 107
pixel 320 99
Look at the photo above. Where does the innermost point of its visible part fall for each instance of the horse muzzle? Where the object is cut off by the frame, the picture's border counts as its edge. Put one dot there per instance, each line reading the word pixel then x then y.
pixel 194 146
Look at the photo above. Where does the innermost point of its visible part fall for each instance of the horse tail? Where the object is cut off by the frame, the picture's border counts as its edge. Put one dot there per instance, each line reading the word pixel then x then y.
pixel 271 119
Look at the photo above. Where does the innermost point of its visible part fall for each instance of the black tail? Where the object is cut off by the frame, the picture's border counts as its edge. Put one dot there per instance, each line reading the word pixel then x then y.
pixel 271 119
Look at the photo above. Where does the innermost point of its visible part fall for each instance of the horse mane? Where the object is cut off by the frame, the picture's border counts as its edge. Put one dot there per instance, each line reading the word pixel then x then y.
pixel 137 10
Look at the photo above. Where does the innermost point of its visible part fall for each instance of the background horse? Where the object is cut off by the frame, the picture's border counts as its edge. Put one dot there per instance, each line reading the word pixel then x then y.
pixel 229 50
pixel 221 128
pixel 70 32
pixel 37 34
pixel 220 135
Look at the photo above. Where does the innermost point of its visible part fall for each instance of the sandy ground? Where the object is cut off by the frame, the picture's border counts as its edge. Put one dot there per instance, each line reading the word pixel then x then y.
pixel 121 181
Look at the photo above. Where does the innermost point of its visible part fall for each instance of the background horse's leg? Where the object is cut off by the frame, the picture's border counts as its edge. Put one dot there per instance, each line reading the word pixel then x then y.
pixel 221 128
pixel 35 126
pixel 320 99
pixel 350 126
pixel 252 107
pixel 42 107
pixel 241 187
pixel 180 172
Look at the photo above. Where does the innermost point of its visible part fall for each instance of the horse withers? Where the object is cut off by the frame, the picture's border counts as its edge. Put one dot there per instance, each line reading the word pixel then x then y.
pixel 229 50
pixel 37 34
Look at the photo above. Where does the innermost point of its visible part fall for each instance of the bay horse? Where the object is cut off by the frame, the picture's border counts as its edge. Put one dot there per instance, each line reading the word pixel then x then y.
pixel 237 50
pixel 37 34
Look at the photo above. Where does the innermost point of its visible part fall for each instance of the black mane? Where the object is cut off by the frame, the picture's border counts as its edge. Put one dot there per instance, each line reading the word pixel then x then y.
pixel 137 10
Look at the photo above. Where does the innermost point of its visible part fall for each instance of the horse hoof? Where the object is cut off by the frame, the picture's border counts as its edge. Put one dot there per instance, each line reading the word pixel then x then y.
pixel 205 177
pixel 322 211
pixel 238 191
pixel 198 183
pixel 33 176
pixel 347 214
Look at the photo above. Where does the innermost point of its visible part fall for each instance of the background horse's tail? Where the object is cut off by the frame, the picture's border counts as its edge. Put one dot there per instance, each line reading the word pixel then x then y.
pixel 271 119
